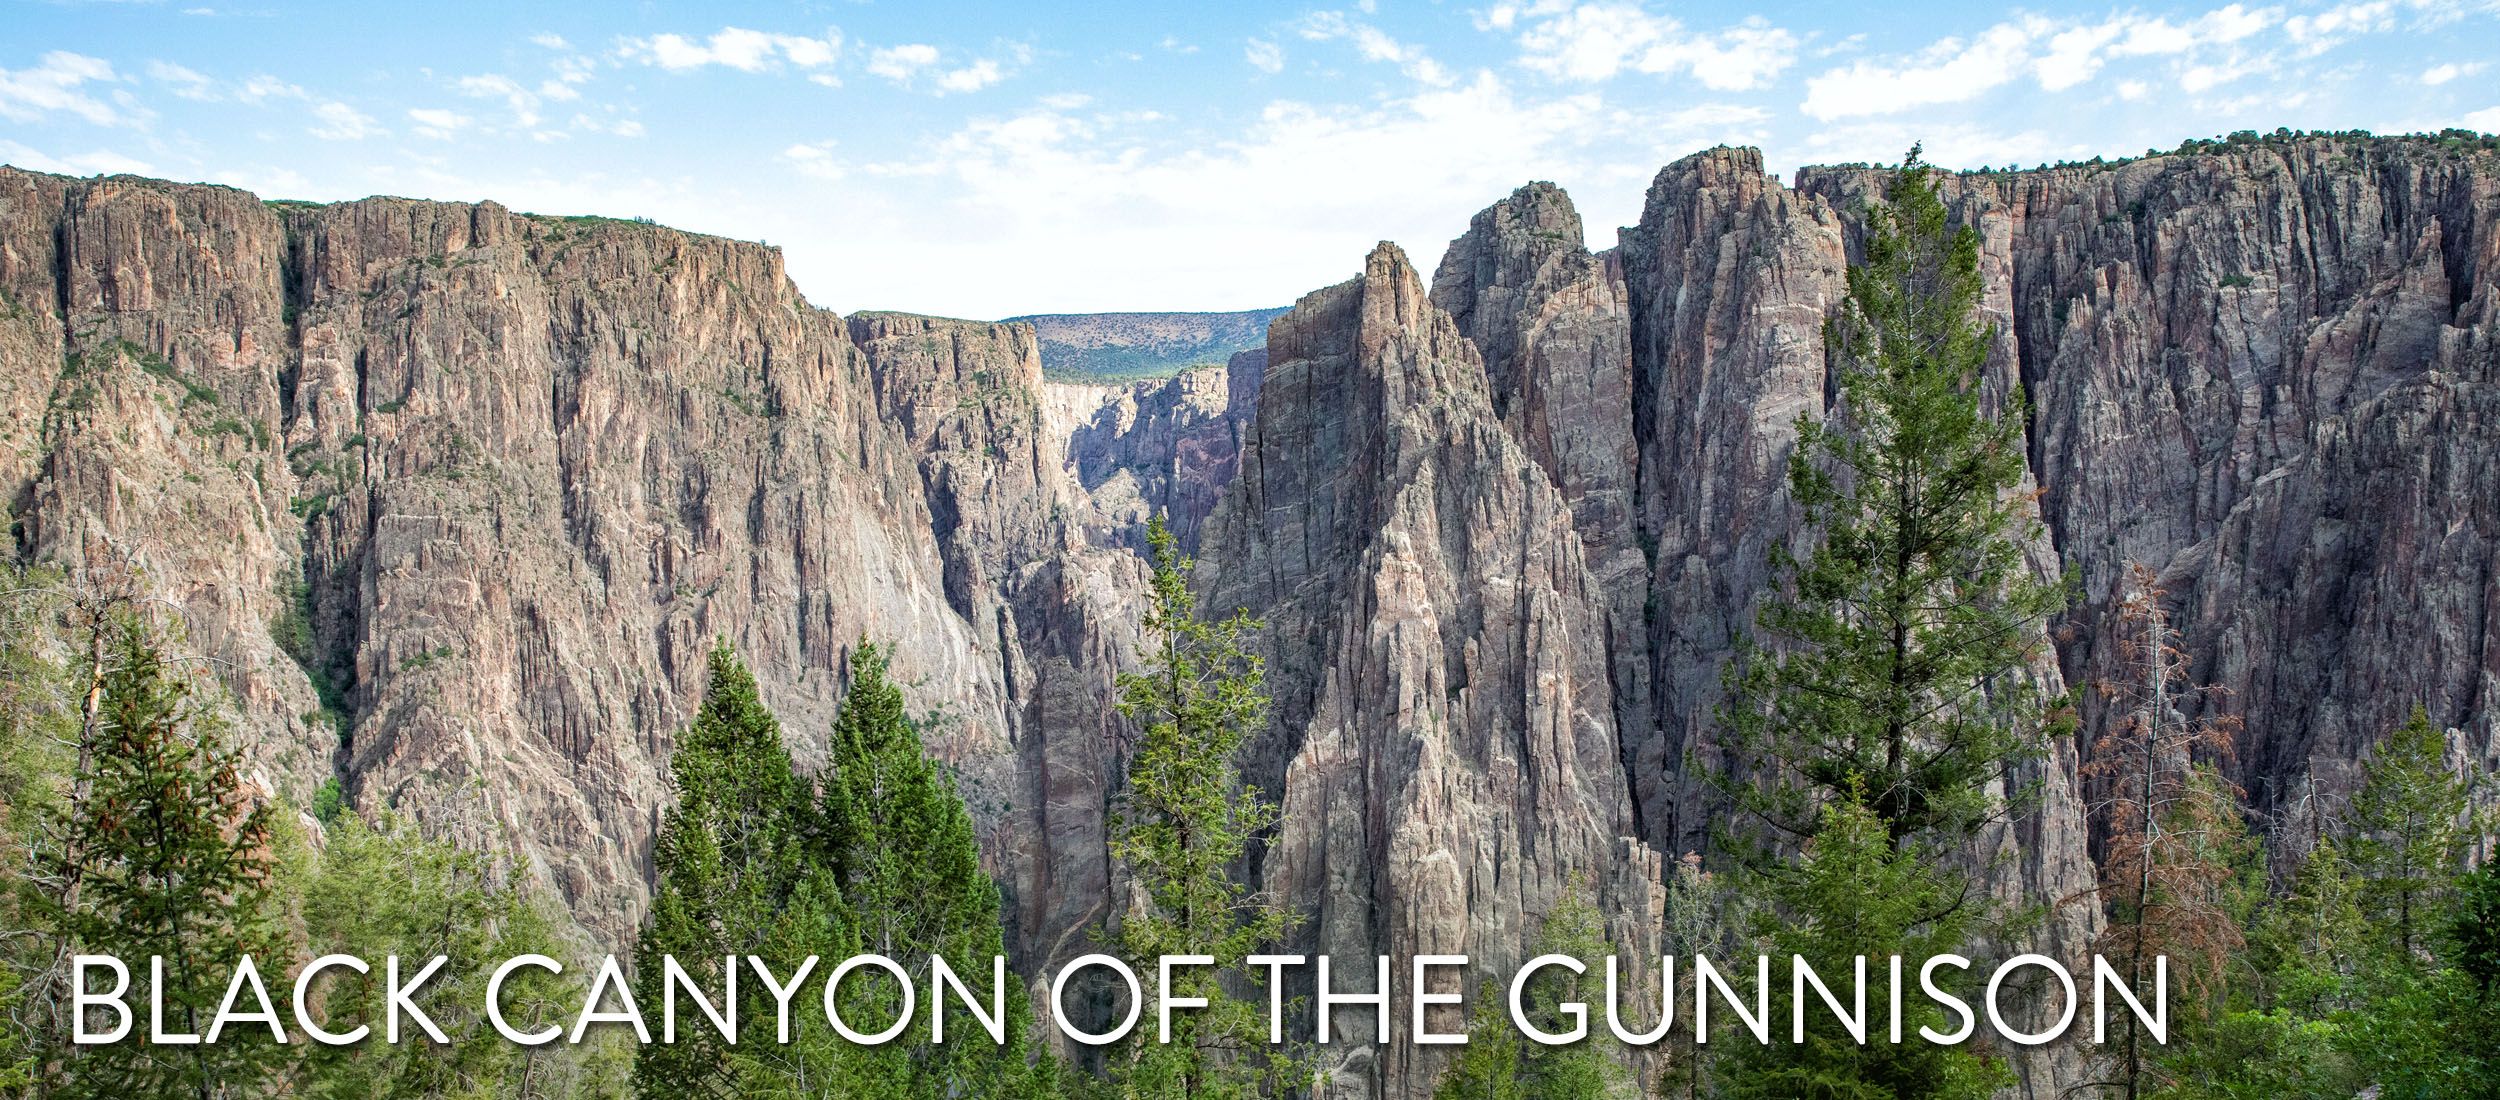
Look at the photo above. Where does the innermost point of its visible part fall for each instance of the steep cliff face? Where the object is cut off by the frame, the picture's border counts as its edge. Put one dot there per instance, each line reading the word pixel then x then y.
pixel 1168 445
pixel 2268 373
pixel 456 497
pixel 524 471
pixel 1443 742
pixel 1553 324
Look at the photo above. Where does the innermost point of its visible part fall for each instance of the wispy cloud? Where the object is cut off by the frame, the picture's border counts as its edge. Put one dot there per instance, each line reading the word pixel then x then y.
pixel 1375 45
pixel 1594 42
pixel 58 84
pixel 336 121
pixel 437 122
pixel 736 48
pixel 1263 55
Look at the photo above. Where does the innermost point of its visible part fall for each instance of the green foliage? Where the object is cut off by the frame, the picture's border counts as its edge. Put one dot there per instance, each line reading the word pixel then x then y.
pixel 1499 1062
pixel 385 889
pixel 1892 692
pixel 2408 836
pixel 2474 929
pixel 166 856
pixel 329 802
pixel 909 869
pixel 37 723
pixel 1854 894
pixel 1898 643
pixel 1181 830
pixel 734 878
pixel 2372 973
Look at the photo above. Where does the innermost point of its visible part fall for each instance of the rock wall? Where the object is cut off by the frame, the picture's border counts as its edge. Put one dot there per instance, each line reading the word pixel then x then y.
pixel 453 499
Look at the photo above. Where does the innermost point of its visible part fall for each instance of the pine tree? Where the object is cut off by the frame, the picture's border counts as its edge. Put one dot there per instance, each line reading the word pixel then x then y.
pixel 1854 894
pixel 1182 829
pixel 1704 917
pixel 733 879
pixel 1499 1063
pixel 387 890
pixel 2170 865
pixel 2408 835
pixel 2474 930
pixel 909 868
pixel 1893 692
pixel 174 860
pixel 1899 642
pixel 36 722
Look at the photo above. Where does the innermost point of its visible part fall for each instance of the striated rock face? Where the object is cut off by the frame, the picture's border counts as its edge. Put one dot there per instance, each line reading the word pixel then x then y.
pixel 1443 741
pixel 1553 323
pixel 525 470
pixel 2268 372
pixel 455 498
pixel 1170 445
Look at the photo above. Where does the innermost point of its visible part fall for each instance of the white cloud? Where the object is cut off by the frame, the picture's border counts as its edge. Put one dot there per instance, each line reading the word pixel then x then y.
pixel 815 159
pixel 194 85
pixel 524 103
pixel 98 163
pixel 735 47
pixel 1053 203
pixel 1951 71
pixel 1263 55
pixel 2206 51
pixel 550 41
pixel 615 127
pixel 1376 45
pixel 340 122
pixel 187 83
pixel 899 63
pixel 2076 54
pixel 1595 42
pixel 2484 121
pixel 264 87
pixel 435 122
pixel 2328 29
pixel 2437 75
pixel 57 84
pixel 972 78
pixel 907 63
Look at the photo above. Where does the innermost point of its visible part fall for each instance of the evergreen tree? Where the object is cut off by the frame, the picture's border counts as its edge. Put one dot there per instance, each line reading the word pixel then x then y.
pixel 37 719
pixel 1182 829
pixel 386 890
pixel 910 870
pixel 1500 1063
pixel 734 878
pixel 2474 930
pixel 1703 918
pixel 1854 894
pixel 1893 694
pixel 2408 834
pixel 1899 642
pixel 2170 864
pixel 173 858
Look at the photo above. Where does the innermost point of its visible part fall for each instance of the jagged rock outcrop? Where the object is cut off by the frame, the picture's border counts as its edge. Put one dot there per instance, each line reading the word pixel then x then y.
pixel 1443 742
pixel 1554 325
pixel 524 471
pixel 2268 372
pixel 1170 445
pixel 455 498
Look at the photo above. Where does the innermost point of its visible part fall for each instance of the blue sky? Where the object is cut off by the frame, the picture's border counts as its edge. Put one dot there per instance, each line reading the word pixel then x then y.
pixel 988 159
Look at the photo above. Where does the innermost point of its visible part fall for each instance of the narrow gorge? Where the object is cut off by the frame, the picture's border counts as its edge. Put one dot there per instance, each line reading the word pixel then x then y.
pixel 453 499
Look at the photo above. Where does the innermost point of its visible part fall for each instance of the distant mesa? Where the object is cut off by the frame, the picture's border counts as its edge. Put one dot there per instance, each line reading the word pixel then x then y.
pixel 1121 347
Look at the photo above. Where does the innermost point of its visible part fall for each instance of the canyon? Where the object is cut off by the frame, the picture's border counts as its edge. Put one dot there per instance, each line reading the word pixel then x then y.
pixel 451 500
